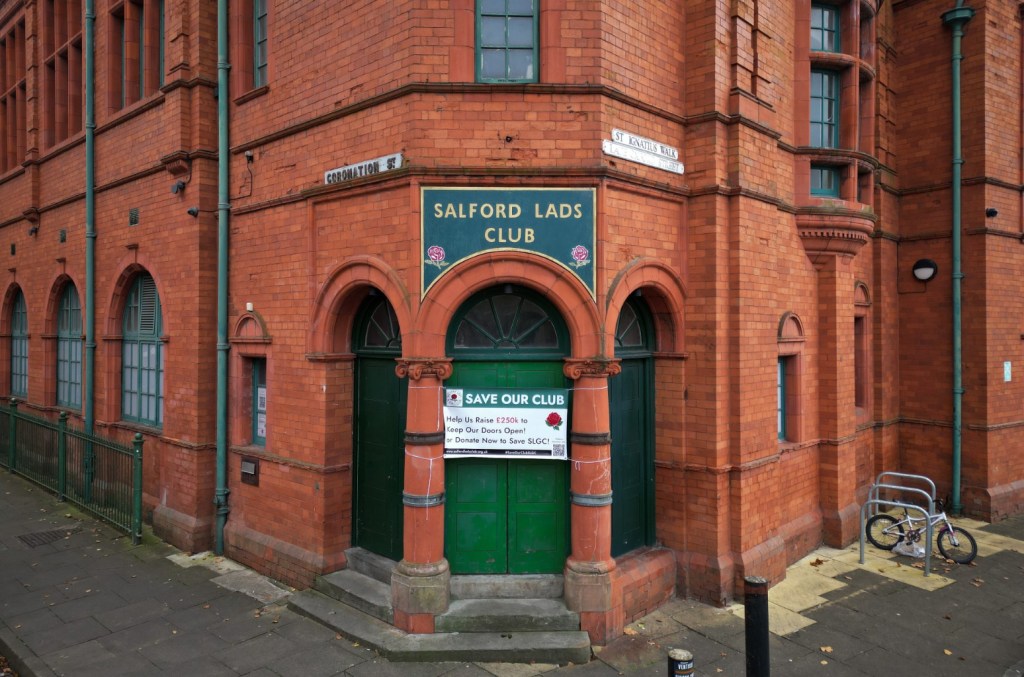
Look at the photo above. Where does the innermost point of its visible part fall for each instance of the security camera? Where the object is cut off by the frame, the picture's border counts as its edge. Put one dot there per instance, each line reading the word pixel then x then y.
pixel 991 212
pixel 177 187
pixel 193 211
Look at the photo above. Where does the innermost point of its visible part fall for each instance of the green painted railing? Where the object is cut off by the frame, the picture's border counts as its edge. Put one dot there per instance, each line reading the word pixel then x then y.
pixel 100 476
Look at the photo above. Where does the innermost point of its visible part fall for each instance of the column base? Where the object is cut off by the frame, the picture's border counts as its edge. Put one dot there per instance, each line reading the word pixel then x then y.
pixel 590 592
pixel 418 593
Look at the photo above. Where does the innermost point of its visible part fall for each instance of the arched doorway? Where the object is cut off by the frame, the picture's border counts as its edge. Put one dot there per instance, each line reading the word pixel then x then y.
pixel 379 426
pixel 631 402
pixel 507 515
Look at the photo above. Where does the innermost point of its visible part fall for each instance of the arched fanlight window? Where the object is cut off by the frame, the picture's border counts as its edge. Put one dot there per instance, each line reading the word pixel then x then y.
pixel 511 320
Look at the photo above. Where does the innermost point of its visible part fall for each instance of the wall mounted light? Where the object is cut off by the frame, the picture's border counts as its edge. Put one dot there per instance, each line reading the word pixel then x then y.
pixel 178 187
pixel 193 212
pixel 991 212
pixel 33 230
pixel 925 269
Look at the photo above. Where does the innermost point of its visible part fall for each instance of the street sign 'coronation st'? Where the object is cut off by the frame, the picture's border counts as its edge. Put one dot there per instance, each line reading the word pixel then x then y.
pixel 459 223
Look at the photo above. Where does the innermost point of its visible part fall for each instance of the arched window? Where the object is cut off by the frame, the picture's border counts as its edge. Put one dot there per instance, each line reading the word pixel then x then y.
pixel 69 349
pixel 19 347
pixel 142 357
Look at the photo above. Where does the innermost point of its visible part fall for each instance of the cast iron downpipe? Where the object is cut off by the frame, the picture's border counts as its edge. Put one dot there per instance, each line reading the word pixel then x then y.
pixel 223 207
pixel 956 18
pixel 90 221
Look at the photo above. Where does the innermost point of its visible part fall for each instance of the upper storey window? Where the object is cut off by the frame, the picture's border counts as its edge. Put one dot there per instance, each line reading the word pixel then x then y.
pixel 252 26
pixel 12 95
pixel 138 28
pixel 259 42
pixel 62 69
pixel 506 44
pixel 824 108
pixel 824 28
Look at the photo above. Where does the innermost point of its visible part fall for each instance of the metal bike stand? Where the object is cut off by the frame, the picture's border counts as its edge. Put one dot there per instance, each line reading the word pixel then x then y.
pixel 929 530
pixel 890 475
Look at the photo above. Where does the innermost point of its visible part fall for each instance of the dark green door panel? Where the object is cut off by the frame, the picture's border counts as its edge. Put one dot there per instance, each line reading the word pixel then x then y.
pixel 537 515
pixel 380 457
pixel 506 516
pixel 476 515
pixel 628 399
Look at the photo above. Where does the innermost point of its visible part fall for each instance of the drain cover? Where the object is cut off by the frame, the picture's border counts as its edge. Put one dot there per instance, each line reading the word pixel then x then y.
pixel 45 537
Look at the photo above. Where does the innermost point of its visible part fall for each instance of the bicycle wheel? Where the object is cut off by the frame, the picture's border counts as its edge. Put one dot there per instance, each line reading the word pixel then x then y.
pixel 884 531
pixel 962 551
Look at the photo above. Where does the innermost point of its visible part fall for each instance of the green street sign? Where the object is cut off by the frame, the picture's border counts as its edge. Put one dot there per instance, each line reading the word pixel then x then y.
pixel 460 223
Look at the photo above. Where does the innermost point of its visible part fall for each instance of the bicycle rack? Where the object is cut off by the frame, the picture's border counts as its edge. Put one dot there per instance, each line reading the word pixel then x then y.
pixel 929 528
pixel 873 493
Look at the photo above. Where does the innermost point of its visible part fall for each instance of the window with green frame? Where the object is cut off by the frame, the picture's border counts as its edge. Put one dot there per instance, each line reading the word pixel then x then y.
pixel 825 28
pixel 825 180
pixel 259 402
pixel 69 349
pixel 19 347
pixel 824 108
pixel 259 43
pixel 780 389
pixel 506 40
pixel 142 355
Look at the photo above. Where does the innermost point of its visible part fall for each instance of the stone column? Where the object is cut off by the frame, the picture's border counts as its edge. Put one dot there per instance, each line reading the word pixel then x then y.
pixel 420 582
pixel 589 578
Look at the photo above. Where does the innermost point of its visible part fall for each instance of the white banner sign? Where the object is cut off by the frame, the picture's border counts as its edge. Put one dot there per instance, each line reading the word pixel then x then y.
pixel 506 423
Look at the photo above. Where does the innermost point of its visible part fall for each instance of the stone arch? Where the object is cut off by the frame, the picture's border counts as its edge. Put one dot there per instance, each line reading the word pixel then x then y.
pixel 5 316
pixel 861 296
pixel 53 300
pixel 559 286
pixel 663 292
pixel 334 309
pixel 131 266
pixel 791 328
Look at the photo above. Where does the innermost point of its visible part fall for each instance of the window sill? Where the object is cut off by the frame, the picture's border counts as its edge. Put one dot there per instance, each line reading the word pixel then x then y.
pixel 251 94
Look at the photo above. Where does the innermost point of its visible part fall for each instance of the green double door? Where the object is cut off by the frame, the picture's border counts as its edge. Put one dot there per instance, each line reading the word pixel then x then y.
pixel 506 515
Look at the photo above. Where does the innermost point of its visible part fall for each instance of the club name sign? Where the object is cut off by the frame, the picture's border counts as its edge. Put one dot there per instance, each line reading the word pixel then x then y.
pixel 501 422
pixel 459 223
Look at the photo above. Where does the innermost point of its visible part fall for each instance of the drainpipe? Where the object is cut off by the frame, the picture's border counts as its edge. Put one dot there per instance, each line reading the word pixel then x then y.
pixel 90 221
pixel 956 18
pixel 223 207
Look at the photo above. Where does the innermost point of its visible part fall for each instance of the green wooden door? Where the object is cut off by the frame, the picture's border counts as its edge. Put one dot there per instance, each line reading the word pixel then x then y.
pixel 379 434
pixel 631 417
pixel 506 515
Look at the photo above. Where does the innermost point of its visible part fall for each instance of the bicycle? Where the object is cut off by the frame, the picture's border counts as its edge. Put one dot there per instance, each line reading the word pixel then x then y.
pixel 955 543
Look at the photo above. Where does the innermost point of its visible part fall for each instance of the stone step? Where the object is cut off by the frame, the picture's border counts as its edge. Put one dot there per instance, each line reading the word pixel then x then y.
pixel 507 615
pixel 529 586
pixel 359 591
pixel 371 564
pixel 559 647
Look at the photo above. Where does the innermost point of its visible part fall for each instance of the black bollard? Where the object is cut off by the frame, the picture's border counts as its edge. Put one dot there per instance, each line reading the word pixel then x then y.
pixel 755 606
pixel 680 663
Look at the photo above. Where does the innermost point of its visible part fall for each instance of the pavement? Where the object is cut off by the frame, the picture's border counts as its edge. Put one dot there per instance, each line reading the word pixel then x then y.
pixel 77 598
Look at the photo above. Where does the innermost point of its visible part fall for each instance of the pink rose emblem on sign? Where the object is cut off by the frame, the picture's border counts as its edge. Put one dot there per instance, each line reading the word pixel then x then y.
pixel 554 420
pixel 580 256
pixel 435 256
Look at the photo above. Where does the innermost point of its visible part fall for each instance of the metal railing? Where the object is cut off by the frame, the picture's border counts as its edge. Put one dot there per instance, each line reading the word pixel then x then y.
pixel 99 475
pixel 874 502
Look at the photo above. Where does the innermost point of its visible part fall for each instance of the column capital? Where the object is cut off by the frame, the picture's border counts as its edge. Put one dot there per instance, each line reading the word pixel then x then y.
pixel 418 367
pixel 576 368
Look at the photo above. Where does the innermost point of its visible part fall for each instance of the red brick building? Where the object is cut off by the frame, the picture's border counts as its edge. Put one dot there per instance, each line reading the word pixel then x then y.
pixel 698 222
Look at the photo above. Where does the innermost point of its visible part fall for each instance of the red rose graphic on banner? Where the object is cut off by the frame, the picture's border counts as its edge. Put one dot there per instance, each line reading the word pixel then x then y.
pixel 554 420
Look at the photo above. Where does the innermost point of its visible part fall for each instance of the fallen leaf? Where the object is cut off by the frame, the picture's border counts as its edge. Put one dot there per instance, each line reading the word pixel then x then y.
pixel 824 662
pixel 206 606
pixel 948 617
pixel 630 631
pixel 826 649
pixel 337 636
pixel 818 562
pixel 947 652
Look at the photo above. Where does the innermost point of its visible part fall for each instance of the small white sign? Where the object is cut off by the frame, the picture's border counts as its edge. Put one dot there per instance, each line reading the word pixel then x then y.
pixel 645 144
pixel 385 163
pixel 1007 368
pixel 633 154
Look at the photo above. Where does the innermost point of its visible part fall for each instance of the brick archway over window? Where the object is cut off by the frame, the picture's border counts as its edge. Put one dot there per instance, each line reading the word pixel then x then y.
pixel 557 284
pixel 334 310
